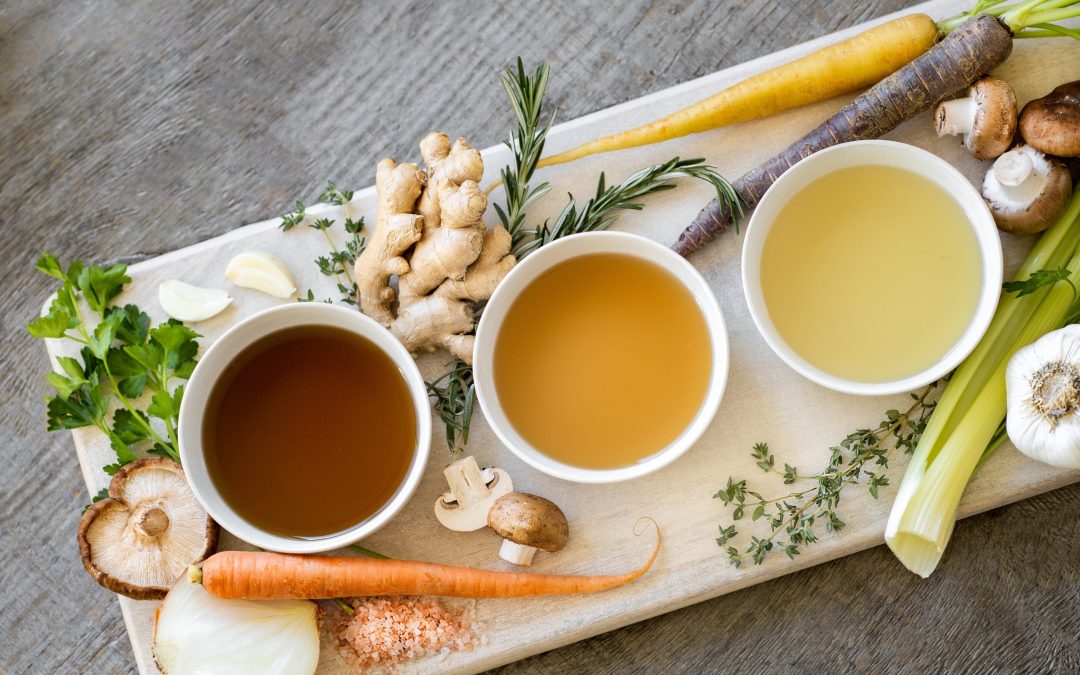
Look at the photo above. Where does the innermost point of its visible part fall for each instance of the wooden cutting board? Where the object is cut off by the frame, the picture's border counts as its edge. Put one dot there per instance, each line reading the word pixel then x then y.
pixel 764 401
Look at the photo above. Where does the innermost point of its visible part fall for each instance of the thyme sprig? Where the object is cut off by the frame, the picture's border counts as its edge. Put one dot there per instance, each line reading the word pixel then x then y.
pixel 794 517
pixel 338 262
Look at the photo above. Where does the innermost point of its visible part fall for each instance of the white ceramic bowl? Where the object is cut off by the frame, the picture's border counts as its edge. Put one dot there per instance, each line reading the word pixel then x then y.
pixel 227 347
pixel 864 153
pixel 537 263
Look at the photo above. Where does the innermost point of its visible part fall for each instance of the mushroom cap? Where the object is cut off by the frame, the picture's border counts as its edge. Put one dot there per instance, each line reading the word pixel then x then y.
pixel 995 118
pixel 1051 124
pixel 141 538
pixel 529 520
pixel 1021 210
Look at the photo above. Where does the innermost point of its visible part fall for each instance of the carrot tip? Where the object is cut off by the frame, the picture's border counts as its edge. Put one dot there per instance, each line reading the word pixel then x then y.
pixel 194 574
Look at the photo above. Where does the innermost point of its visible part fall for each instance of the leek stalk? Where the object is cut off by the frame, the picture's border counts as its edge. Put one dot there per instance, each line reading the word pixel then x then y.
pixel 969 413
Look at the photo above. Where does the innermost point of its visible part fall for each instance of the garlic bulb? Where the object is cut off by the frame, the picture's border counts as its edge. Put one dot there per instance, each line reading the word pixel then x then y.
pixel 197 633
pixel 1042 384
pixel 191 303
pixel 262 272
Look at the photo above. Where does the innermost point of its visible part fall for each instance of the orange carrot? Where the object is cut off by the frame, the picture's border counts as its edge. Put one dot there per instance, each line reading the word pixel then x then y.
pixel 247 575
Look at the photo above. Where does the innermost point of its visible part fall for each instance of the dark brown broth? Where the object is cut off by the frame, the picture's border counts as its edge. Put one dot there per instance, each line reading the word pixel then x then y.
pixel 309 431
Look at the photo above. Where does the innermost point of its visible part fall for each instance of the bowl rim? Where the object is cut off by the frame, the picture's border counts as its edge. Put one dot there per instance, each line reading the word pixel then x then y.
pixel 223 350
pixel 869 153
pixel 540 261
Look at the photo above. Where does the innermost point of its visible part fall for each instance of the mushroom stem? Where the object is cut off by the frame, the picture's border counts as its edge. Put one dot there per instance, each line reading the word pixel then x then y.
pixel 518 554
pixel 149 520
pixel 956 116
pixel 1015 171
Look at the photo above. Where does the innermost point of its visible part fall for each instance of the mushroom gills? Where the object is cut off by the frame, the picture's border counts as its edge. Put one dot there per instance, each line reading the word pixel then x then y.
pixel 1026 190
pixel 472 492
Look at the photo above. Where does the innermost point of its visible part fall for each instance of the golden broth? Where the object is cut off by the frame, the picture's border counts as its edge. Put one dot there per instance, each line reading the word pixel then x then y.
pixel 602 361
pixel 871 273
pixel 309 431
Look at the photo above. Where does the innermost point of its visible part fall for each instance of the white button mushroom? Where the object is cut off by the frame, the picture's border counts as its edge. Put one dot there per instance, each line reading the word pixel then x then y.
pixel 527 522
pixel 472 492
pixel 140 539
pixel 1026 190
pixel 1042 384
pixel 986 118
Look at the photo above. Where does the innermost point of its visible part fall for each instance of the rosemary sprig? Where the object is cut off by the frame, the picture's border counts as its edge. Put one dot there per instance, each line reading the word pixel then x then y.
pixel 454 396
pixel 337 263
pixel 602 210
pixel 526 95
pixel 793 517
pixel 453 392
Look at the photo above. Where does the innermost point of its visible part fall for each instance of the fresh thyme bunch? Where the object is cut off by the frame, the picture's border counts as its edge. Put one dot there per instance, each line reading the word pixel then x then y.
pixel 794 517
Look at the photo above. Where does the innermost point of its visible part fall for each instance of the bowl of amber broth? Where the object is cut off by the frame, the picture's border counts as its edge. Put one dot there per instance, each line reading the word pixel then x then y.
pixel 872 267
pixel 305 428
pixel 601 357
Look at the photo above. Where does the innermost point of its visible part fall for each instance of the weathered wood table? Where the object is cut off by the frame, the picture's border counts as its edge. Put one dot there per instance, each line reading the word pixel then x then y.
pixel 129 131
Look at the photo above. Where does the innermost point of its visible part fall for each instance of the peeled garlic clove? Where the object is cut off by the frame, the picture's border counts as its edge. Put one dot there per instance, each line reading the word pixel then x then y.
pixel 262 272
pixel 1042 384
pixel 191 303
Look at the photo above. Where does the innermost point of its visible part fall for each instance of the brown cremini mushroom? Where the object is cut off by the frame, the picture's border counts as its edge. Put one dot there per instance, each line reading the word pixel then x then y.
pixel 1026 190
pixel 986 118
pixel 1051 124
pixel 527 522
pixel 142 537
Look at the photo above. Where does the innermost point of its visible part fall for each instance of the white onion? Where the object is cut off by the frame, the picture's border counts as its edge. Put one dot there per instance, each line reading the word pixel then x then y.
pixel 198 633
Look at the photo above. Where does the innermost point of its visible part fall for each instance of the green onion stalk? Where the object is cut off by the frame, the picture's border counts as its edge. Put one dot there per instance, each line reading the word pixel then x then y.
pixel 964 429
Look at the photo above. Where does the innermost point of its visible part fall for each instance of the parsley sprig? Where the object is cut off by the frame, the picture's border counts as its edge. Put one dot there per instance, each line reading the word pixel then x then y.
pixel 122 359
pixel 794 517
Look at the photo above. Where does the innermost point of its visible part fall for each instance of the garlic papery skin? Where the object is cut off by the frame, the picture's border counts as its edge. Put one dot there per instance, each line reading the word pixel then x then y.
pixel 185 302
pixel 195 632
pixel 1042 385
pixel 262 272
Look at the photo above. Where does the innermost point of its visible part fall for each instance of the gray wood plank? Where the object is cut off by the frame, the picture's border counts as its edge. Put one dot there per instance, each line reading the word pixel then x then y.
pixel 132 130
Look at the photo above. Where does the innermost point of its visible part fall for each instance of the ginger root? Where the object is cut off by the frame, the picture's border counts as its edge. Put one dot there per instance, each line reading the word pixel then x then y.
pixel 430 234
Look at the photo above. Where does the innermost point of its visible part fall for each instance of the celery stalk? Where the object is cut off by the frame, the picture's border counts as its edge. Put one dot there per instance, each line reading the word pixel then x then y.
pixel 970 410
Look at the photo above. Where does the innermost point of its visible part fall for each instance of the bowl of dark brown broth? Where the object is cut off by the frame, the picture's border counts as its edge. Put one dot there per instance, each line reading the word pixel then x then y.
pixel 601 357
pixel 304 428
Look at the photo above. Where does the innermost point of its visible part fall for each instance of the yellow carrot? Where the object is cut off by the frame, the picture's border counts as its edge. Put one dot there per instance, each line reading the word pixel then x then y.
pixel 851 65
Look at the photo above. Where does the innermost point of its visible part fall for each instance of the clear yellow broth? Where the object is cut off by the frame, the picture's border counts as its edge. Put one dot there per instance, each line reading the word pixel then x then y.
pixel 871 273
pixel 602 361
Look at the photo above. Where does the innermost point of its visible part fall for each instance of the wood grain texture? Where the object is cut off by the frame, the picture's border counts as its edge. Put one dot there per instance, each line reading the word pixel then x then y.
pixel 130 131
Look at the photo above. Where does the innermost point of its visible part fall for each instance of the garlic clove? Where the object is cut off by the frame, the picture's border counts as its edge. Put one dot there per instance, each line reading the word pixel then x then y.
pixel 185 302
pixel 262 272
pixel 1042 384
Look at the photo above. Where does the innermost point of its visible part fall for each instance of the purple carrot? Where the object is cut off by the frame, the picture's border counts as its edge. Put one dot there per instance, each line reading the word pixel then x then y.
pixel 963 56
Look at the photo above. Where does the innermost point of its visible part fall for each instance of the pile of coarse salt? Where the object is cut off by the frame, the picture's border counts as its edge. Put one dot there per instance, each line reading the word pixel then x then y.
pixel 384 632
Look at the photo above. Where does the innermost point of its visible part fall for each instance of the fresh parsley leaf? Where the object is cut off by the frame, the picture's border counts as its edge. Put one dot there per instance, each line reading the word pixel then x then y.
pixel 99 285
pixel 1037 280
pixel 48 264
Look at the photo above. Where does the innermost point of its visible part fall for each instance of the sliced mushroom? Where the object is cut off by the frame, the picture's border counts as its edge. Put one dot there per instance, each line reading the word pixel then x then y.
pixel 1051 124
pixel 986 118
pixel 527 522
pixel 472 492
pixel 139 540
pixel 1026 190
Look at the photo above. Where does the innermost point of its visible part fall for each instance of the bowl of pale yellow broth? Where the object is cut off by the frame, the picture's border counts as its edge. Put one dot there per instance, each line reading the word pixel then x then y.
pixel 601 357
pixel 872 267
